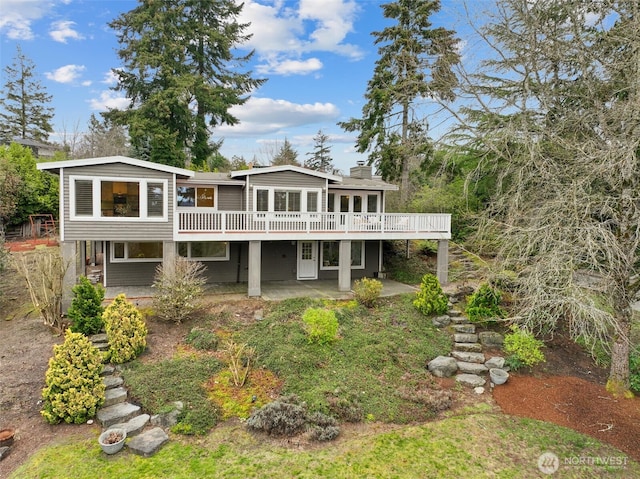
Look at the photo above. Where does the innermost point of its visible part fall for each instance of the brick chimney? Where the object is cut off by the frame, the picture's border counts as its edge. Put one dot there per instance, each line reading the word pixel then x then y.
pixel 362 171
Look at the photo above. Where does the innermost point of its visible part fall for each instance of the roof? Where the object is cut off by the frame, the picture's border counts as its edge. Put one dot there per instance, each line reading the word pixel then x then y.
pixel 349 183
pixel 57 165
pixel 297 169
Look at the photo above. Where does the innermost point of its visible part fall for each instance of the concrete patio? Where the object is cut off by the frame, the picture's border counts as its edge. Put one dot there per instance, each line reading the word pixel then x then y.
pixel 271 290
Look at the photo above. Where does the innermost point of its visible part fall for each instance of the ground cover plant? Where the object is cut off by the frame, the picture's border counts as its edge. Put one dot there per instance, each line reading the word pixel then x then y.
pixel 429 450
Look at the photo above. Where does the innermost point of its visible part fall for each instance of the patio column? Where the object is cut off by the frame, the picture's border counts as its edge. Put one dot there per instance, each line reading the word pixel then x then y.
pixel 442 268
pixel 344 266
pixel 69 252
pixel 255 265
pixel 168 253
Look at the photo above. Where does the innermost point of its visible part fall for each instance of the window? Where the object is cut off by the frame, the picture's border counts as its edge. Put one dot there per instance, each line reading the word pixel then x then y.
pixel 286 200
pixel 272 199
pixel 136 251
pixel 119 199
pixel 312 201
pixel 84 197
pixel 331 198
pixel 205 250
pixel 262 200
pixel 372 203
pixel 200 196
pixel 331 255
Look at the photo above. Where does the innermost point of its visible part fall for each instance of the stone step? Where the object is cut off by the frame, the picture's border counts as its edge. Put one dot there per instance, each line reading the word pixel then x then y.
pixel 464 328
pixel 98 338
pixel 460 320
pixel 468 347
pixel 472 380
pixel 120 412
pixel 465 338
pixel 101 346
pixel 454 313
pixel 108 369
pixel 114 396
pixel 112 381
pixel 469 357
pixel 472 368
pixel 149 442
pixel 135 425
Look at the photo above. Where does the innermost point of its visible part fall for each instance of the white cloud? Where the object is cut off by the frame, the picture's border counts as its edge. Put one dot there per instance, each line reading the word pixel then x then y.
pixel 65 74
pixel 108 100
pixel 86 83
pixel 62 30
pixel 110 78
pixel 265 115
pixel 16 17
pixel 290 67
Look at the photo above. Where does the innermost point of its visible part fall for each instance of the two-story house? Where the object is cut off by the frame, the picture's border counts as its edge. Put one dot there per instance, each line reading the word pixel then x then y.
pixel 248 226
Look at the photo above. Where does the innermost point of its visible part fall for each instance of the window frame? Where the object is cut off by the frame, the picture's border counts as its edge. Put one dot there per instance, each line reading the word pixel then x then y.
pixel 271 190
pixel 196 205
pixel 143 198
pixel 128 259
pixel 203 258
pixel 335 268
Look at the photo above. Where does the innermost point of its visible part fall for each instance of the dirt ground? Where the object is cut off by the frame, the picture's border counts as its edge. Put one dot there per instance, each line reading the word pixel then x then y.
pixel 567 390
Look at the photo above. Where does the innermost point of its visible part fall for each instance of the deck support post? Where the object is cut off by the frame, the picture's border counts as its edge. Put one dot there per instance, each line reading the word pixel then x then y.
pixel 344 268
pixel 69 252
pixel 255 265
pixel 442 268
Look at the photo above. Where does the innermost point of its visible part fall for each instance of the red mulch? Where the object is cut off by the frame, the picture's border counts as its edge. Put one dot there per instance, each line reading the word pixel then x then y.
pixel 29 244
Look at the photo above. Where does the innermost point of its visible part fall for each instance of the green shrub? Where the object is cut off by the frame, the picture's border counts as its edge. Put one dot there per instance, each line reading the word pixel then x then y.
pixel 322 427
pixel 202 339
pixel 367 291
pixel 484 304
pixel 634 367
pixel 74 388
pixel 522 348
pixel 126 331
pixel 283 417
pixel 179 288
pixel 86 308
pixel 431 299
pixel 321 325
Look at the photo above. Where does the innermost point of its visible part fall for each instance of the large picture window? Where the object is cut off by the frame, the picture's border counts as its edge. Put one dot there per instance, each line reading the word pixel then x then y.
pixel 136 251
pixel 291 200
pixel 205 250
pixel 330 255
pixel 117 198
pixel 198 196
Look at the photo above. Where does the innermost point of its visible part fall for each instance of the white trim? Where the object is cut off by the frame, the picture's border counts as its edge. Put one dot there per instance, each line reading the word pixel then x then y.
pixel 271 200
pixel 97 193
pixel 335 268
pixel 216 197
pixel 275 169
pixel 206 258
pixel 314 260
pixel 126 258
pixel 61 207
pixel 54 165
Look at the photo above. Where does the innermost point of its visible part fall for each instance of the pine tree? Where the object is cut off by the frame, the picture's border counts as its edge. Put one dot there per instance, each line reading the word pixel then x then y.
pixel 181 73
pixel 23 107
pixel 320 158
pixel 415 64
pixel 285 156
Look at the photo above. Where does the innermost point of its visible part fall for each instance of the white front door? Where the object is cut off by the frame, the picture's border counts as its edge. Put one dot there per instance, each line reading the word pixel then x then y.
pixel 307 260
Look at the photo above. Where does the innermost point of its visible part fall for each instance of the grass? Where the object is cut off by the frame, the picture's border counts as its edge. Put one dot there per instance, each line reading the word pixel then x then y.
pixel 379 351
pixel 474 445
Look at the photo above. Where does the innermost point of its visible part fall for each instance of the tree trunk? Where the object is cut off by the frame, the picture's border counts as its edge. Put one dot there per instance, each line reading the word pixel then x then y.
pixel 618 383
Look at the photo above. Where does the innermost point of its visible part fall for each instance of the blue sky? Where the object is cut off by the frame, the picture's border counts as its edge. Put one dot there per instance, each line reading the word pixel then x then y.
pixel 317 55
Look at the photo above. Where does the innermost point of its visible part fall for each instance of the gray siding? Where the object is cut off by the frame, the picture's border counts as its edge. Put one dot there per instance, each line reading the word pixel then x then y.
pixel 230 198
pixel 371 249
pixel 279 260
pixel 118 230
pixel 232 271
pixel 128 274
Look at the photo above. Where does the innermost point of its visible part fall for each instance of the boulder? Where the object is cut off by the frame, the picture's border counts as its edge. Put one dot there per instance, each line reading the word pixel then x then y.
pixel 495 362
pixel 472 380
pixel 148 443
pixel 491 339
pixel 443 366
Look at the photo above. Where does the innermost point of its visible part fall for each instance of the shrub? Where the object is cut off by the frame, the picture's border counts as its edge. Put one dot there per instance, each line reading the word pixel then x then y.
pixel 283 417
pixel 239 359
pixel 431 299
pixel 322 427
pixel 74 388
pixel 321 325
pixel 202 339
pixel 347 408
pixel 367 291
pixel 86 308
pixel 634 367
pixel 178 289
pixel 126 331
pixel 522 348
pixel 484 304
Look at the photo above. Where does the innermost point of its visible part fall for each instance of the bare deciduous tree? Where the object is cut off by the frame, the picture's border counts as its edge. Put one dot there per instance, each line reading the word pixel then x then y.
pixel 557 112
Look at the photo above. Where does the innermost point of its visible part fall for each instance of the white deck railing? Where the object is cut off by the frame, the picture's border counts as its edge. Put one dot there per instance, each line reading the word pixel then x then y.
pixel 221 222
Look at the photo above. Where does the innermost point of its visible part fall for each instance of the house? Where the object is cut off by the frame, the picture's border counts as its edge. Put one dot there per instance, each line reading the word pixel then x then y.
pixel 39 149
pixel 122 217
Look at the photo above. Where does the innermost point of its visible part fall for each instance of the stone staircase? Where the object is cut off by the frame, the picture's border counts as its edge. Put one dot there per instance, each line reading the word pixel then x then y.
pixel 145 439
pixel 467 360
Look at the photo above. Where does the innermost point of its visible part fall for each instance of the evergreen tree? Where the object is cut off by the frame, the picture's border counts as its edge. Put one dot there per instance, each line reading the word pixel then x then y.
pixel 23 107
pixel 102 139
pixel 415 64
pixel 285 156
pixel 320 158
pixel 180 72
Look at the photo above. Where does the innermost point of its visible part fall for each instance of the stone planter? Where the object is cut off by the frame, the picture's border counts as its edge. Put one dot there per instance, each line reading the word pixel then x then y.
pixel 498 376
pixel 112 440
